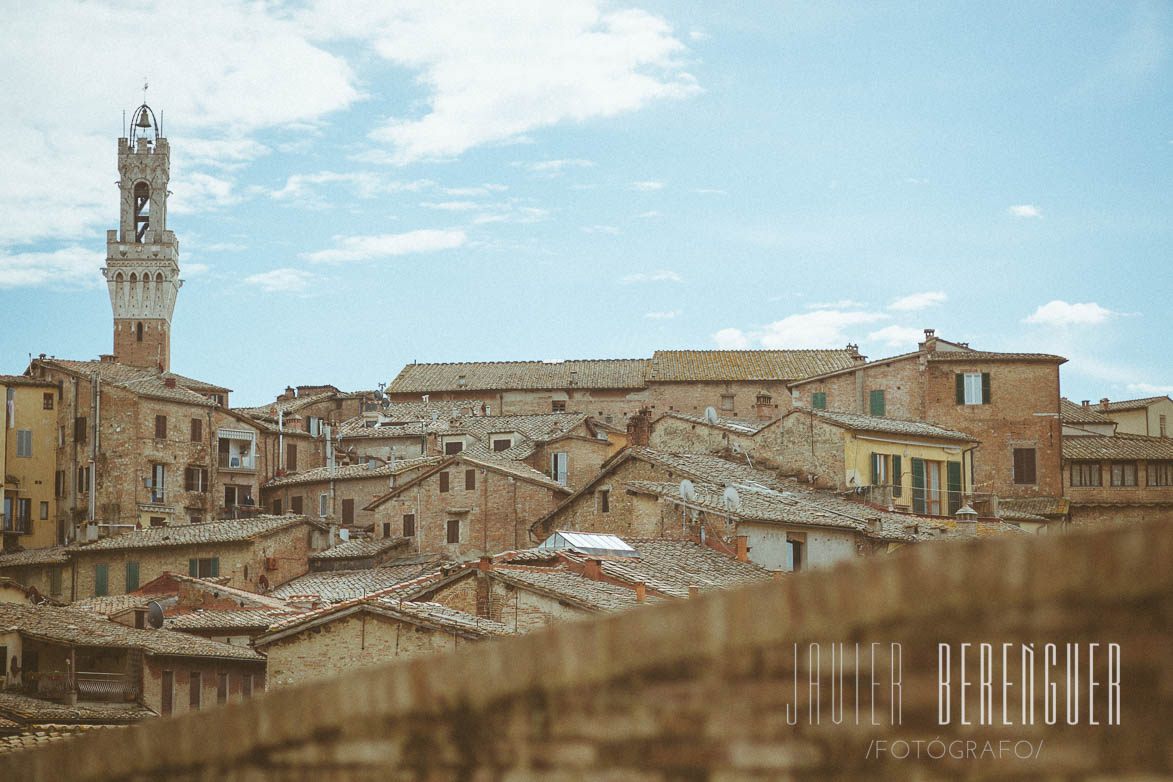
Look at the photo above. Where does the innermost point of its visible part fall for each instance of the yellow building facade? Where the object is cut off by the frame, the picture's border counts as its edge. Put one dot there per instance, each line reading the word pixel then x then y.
pixel 28 462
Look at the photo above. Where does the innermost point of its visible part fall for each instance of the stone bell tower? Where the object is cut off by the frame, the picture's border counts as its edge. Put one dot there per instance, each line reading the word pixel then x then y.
pixel 142 256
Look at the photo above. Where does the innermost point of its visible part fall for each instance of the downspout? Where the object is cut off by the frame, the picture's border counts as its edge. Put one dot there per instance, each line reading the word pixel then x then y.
pixel 330 464
pixel 95 412
pixel 280 439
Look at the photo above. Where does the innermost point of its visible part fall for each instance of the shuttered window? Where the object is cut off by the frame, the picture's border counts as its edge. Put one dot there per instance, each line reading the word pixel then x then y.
pixel 1087 474
pixel 348 511
pixel 291 457
pixel 197 430
pixel 819 400
pixel 443 481
pixel 131 576
pixel 953 485
pixel 24 443
pixel 897 479
pixel 559 463
pixel 101 580
pixel 1024 465
pixel 295 504
pixel 160 427
pixel 918 485
pixel 876 402
pixel 409 525
pixel 972 388
pixel 453 530
pixel 470 480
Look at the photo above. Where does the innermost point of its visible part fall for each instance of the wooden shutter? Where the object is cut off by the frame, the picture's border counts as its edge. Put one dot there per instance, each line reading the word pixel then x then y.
pixel 896 477
pixel 959 382
pixel 193 568
pixel 918 485
pixel 953 484
pixel 819 400
pixel 408 525
pixel 160 427
pixel 470 480
pixel 875 472
pixel 986 389
pixel 348 511
pixel 453 530
pixel 101 580
pixel 291 457
pixel 131 576
pixel 215 567
pixel 444 481
pixel 876 402
pixel 295 504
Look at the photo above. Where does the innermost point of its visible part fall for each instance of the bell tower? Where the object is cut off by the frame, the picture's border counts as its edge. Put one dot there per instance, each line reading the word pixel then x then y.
pixel 142 256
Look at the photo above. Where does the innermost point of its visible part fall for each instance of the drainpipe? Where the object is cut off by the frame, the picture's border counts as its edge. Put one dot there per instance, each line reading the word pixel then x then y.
pixel 280 439
pixel 330 464
pixel 95 412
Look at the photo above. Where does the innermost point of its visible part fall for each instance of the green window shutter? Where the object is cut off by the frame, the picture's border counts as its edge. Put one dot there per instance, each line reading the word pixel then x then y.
pixel 131 576
pixel 875 472
pixel 215 567
pixel 101 580
pixel 918 485
pixel 876 402
pixel 193 567
pixel 959 379
pixel 819 400
pixel 953 482
pixel 985 388
pixel 896 478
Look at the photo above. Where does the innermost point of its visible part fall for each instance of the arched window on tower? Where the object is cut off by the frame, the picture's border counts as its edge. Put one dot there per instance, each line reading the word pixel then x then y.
pixel 138 332
pixel 142 210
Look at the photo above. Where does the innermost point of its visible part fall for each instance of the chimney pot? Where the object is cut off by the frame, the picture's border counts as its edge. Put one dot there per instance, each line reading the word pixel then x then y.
pixel 485 563
pixel 641 592
pixel 169 382
pixel 1104 403
pixel 1087 403
pixel 593 569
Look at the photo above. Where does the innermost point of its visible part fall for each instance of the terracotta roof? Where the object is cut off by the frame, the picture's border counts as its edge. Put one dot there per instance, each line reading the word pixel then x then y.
pixel 359 548
pixel 353 472
pixel 109 605
pixel 433 615
pixel 1036 506
pixel 227 531
pixel 708 468
pixel 227 619
pixel 873 423
pixel 672 566
pixel 338 585
pixel 989 355
pixel 1136 404
pixel 72 626
pixel 709 365
pixel 1012 514
pixel 290 406
pixel 25 709
pixel 1072 413
pixel 242 596
pixel 1117 446
pixel 509 375
pixel 142 380
pixel 46 733
pixel 22 380
pixel 742 426
pixel 563 583
pixel 50 555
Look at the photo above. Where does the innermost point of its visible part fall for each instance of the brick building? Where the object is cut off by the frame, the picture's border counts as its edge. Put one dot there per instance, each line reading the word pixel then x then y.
pixel 687 433
pixel 1084 419
pixel 1008 401
pixel 319 587
pixel 467 504
pixel 45 569
pixel 28 461
pixel 1122 478
pixel 310 409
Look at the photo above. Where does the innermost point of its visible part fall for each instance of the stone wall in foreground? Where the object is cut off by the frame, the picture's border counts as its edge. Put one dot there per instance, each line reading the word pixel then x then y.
pixel 698 690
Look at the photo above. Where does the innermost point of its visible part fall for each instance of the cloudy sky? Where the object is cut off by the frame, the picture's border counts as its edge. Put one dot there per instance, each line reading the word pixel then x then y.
pixel 359 185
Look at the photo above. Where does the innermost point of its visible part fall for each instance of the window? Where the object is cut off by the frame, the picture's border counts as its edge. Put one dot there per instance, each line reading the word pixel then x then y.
pixel 276 506
pixel 819 400
pixel 348 511
pixel 795 545
pixel 295 504
pixel 953 485
pixel 453 447
pixel 453 530
pixel 194 700
pixel 603 500
pixel 221 688
pixel 158 521
pixel 197 430
pixel 44 511
pixel 101 580
pixel 160 427
pixel 55 581
pixel 973 388
pixel 79 429
pixel 502 445
pixel 558 467
pixel 291 457
pixel 83 479
pixel 59 483
pixel 24 443
pixel 138 331
pixel 1163 426
pixel 168 694
pixel 727 402
pixel 323 505
pixel 876 402
pixel 897 477
pixel 206 567
pixel 765 399
pixel 1160 474
pixel 246 685
pixel 879 469
pixel 313 426
pixel 1123 473
pixel 926 487
pixel 195 479
pixel 1024 465
pixel 158 482
pixel 1086 474
pixel 470 480
pixel 24 512
pixel 558 406
pixel 409 525
pixel 386 529
pixel 195 517
pixel 47 401
pixel 131 576
pixel 443 482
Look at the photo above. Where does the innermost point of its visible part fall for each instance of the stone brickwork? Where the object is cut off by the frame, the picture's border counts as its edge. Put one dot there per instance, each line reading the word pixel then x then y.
pixel 811 446
pixel 519 609
pixel 584 457
pixel 677 435
pixel 731 399
pixel 209 671
pixel 699 689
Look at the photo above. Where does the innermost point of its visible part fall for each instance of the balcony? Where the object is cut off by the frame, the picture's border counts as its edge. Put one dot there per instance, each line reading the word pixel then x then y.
pixel 227 460
pixel 15 525
pixel 85 686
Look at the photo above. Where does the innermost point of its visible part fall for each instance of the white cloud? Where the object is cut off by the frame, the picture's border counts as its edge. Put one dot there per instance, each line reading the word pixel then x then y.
pixel 554 167
pixel 469 192
pixel 661 315
pixel 69 266
pixel 710 191
pixel 818 329
pixel 919 301
pixel 201 193
pixel 302 189
pixel 650 213
pixel 911 180
pixel 194 269
pixel 1061 313
pixel 842 304
pixel 495 71
pixel 731 339
pixel 600 229
pixel 511 212
pixel 647 186
pixel 225 247
pixel 450 206
pixel 365 248
pixel 281 280
pixel 897 336
pixel 663 275
pixel 1025 210
pixel 1149 389
pixel 698 35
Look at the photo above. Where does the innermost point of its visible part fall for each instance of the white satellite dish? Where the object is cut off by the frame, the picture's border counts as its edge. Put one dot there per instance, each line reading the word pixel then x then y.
pixel 732 499
pixel 736 448
pixel 687 492
pixel 711 415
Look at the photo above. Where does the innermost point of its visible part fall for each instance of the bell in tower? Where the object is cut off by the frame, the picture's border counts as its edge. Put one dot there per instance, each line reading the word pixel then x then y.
pixel 142 256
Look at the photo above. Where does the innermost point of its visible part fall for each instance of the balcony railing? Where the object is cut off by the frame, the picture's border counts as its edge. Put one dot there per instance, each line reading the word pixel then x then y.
pixel 86 685
pixel 17 525
pixel 230 461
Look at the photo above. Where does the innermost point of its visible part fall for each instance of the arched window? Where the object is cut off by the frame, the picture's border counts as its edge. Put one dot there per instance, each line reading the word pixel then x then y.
pixel 158 276
pixel 138 332
pixel 142 210
pixel 118 277
pixel 133 277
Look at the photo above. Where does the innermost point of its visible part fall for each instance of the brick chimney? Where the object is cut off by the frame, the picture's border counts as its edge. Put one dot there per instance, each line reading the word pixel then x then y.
pixel 641 592
pixel 693 591
pixel 105 358
pixel 1104 404
pixel 169 382
pixel 930 343
pixel 593 569
pixel 639 428
pixel 742 548
pixel 485 563
pixel 289 395
pixel 1087 403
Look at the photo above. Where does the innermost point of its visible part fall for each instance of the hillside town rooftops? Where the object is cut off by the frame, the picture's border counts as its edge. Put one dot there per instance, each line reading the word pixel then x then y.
pixel 989 355
pixel 562 583
pixel 511 375
pixel 49 555
pixel 24 380
pixel 228 619
pixel 353 472
pixel 339 585
pixel 142 380
pixel 1117 446
pixel 1072 413
pixel 1135 404
pixel 1035 506
pixel 716 365
pixel 359 548
pixel 22 708
pixel 227 531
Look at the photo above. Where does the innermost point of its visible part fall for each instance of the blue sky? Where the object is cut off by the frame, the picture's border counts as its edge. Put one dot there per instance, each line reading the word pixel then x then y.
pixel 359 185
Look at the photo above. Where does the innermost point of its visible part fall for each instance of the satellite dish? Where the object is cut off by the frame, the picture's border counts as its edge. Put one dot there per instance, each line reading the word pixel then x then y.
pixel 736 448
pixel 711 415
pixel 154 615
pixel 732 499
pixel 687 492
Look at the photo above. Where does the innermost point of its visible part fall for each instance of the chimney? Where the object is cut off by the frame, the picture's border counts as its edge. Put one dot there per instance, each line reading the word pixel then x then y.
pixel 641 592
pixel 930 343
pixel 875 525
pixel 140 617
pixel 1104 403
pixel 742 548
pixel 485 563
pixel 289 395
pixel 169 382
pixel 1087 403
pixel 639 428
pixel 105 358
pixel 967 521
pixel 693 591
pixel 593 569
